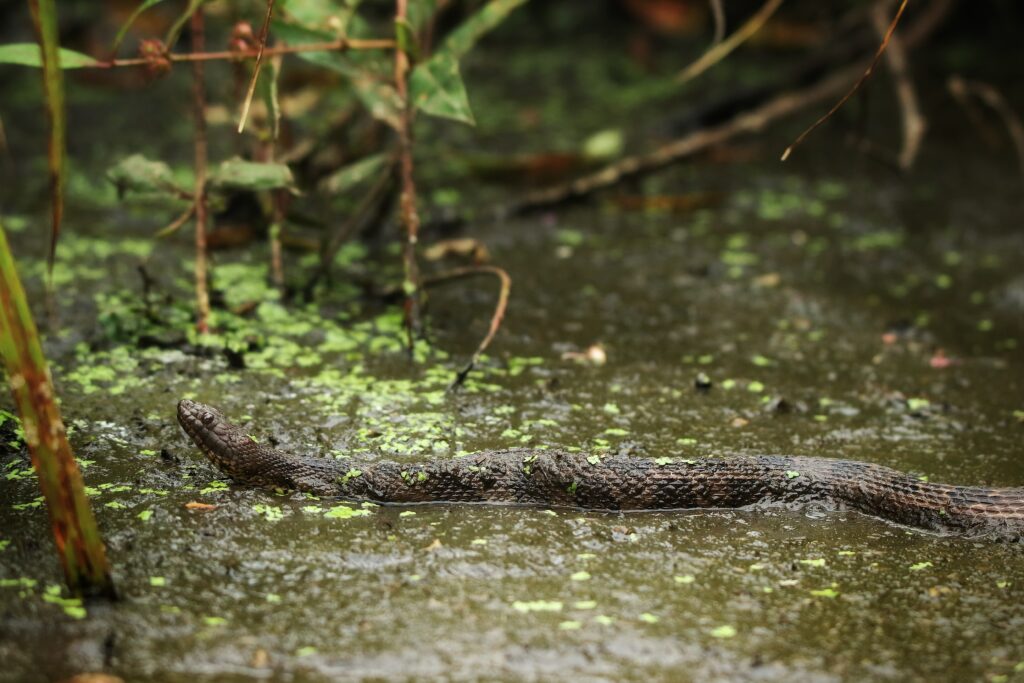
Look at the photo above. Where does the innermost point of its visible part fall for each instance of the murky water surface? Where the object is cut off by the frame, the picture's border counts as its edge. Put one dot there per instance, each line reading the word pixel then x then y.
pixel 837 309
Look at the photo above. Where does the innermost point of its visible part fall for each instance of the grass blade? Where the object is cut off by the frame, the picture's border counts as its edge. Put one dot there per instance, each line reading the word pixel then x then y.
pixel 256 68
pixel 123 31
pixel 44 16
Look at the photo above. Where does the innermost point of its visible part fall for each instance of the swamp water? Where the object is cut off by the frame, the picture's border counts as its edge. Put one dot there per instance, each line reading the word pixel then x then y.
pixel 838 310
pixel 782 292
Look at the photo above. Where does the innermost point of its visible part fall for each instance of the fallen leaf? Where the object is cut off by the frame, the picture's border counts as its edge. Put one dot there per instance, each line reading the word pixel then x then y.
pixel 466 247
pixel 594 355
pixel 195 505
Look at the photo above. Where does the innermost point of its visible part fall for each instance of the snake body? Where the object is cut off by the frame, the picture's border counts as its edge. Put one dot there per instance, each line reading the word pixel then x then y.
pixel 562 479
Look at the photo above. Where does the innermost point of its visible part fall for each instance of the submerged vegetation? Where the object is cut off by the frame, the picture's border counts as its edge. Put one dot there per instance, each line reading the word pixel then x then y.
pixel 261 198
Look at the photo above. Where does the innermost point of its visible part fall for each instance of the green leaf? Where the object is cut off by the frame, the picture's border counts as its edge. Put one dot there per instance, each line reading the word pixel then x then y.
pixel 473 29
pixel 436 85
pixel 436 88
pixel 349 176
pixel 420 12
pixel 369 73
pixel 322 15
pixel 253 176
pixel 139 175
pixel 27 54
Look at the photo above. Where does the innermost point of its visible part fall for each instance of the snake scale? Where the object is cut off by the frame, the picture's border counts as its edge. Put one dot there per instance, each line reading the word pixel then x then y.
pixel 561 479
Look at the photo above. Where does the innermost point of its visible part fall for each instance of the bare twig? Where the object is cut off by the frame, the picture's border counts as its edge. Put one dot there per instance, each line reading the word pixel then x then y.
pixel 962 89
pixel 256 68
pixel 856 86
pixel 914 123
pixel 340 45
pixel 720 50
pixel 407 201
pixel 750 121
pixel 199 112
pixel 176 224
pixel 718 13
pixel 499 309
pixel 368 206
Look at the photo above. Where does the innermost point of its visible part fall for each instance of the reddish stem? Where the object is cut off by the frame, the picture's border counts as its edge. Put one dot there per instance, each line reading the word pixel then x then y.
pixel 407 201
pixel 199 112
pixel 341 45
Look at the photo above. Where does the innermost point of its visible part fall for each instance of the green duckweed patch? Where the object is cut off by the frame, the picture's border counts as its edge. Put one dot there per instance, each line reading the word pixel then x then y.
pixel 526 606
pixel 724 631
pixel 71 606
pixel 346 512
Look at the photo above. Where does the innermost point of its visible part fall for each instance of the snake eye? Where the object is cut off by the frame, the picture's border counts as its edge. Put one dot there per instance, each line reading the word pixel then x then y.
pixel 207 418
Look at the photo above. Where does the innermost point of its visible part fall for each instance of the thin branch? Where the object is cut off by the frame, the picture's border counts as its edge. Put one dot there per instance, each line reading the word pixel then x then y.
pixel 718 13
pixel 199 113
pixel 749 122
pixel 753 120
pixel 176 224
pixel 856 86
pixel 360 216
pixel 499 309
pixel 721 50
pixel 256 68
pixel 914 123
pixel 961 89
pixel 340 45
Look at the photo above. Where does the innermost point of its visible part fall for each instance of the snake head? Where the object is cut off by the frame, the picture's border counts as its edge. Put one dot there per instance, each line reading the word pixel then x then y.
pixel 197 418
pixel 222 442
pixel 236 454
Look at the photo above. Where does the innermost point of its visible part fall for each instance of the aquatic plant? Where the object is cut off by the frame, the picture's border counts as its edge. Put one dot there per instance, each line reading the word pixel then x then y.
pixel 78 540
